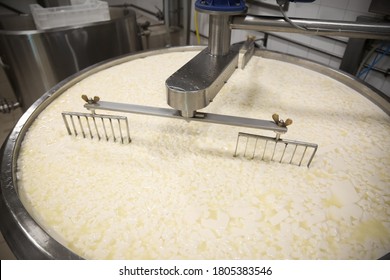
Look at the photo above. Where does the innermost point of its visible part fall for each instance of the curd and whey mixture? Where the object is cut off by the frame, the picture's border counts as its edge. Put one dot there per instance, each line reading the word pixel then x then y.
pixel 177 192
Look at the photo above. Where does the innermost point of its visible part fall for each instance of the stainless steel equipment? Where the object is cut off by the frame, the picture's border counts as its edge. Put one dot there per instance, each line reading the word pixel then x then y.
pixel 36 60
pixel 86 125
pixel 313 27
pixel 196 84
pixel 296 155
pixel 25 237
pixel 280 155
pixel 118 125
pixel 84 121
pixel 96 128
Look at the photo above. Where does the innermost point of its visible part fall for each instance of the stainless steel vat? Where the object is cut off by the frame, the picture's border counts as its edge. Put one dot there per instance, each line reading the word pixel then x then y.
pixel 25 237
pixel 36 60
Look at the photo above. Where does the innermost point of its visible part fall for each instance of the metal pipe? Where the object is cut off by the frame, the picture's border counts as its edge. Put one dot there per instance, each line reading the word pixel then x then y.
pixel 219 35
pixel 313 27
pixel 187 20
pixel 166 13
pixel 304 45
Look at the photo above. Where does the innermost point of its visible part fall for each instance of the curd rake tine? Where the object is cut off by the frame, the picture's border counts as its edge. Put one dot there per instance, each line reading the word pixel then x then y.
pixel 265 148
pixel 89 127
pixel 66 124
pixel 127 130
pixel 254 149
pixel 112 130
pixel 304 152
pixel 81 126
pixel 120 131
pixel 292 157
pixel 246 146
pixel 284 151
pixel 96 129
pixel 74 127
pixel 104 127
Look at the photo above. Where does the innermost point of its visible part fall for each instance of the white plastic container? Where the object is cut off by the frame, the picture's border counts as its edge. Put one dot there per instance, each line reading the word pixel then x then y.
pixel 87 12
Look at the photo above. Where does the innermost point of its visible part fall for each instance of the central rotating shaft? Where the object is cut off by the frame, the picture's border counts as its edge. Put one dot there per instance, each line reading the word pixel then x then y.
pixel 196 84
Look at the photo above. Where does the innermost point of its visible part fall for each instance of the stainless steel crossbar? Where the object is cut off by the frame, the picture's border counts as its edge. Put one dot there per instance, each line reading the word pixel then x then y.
pixel 199 116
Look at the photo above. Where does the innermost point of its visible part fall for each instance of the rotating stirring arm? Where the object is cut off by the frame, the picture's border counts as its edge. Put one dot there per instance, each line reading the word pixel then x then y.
pixel 171 113
pixel 196 84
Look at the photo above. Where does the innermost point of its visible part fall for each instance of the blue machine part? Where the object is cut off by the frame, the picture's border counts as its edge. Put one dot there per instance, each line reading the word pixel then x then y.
pixel 228 5
pixel 221 5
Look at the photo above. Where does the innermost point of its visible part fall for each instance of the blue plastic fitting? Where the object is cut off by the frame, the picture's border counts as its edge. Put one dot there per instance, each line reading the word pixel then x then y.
pixel 228 5
pixel 221 5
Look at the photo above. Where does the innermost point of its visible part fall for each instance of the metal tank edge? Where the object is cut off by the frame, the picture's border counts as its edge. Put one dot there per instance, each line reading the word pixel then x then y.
pixel 26 239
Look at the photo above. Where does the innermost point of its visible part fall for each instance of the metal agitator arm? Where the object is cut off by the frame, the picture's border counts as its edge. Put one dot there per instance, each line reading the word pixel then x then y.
pixel 196 84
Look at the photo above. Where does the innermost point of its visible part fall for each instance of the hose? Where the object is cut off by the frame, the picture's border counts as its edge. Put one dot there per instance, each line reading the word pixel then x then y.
pixel 286 18
pixel 196 27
